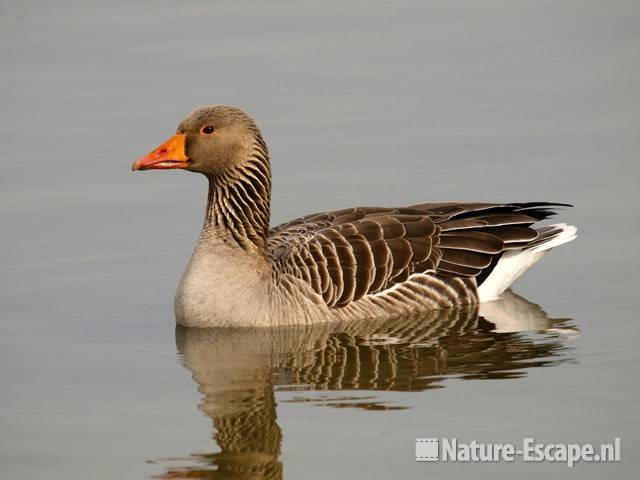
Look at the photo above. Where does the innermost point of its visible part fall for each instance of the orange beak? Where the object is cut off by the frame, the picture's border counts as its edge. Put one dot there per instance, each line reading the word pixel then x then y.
pixel 168 155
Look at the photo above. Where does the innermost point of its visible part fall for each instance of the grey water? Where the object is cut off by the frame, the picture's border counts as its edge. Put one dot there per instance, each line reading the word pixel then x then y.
pixel 361 103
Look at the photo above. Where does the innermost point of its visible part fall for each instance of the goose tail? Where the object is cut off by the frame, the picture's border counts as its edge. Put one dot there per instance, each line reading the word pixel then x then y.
pixel 514 263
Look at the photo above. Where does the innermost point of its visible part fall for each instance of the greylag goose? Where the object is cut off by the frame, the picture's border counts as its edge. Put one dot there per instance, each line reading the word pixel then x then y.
pixel 361 262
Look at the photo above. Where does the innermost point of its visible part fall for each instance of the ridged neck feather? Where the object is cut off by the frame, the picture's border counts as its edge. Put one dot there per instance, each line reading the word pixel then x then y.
pixel 240 197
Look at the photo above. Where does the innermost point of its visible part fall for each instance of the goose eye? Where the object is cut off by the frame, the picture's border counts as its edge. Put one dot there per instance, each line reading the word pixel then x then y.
pixel 207 130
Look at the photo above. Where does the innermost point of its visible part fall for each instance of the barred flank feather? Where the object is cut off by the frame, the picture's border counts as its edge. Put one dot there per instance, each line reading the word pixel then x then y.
pixel 348 254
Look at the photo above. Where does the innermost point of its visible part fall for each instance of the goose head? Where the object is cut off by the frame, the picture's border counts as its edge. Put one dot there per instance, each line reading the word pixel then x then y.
pixel 210 140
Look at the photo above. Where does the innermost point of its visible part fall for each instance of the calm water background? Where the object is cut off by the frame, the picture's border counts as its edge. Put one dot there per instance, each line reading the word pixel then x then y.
pixel 361 103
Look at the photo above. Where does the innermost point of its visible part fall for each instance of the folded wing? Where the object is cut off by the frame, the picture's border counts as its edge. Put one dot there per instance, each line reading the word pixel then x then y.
pixel 347 254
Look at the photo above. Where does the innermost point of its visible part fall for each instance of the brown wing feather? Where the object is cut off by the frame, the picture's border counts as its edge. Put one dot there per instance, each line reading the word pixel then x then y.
pixel 347 254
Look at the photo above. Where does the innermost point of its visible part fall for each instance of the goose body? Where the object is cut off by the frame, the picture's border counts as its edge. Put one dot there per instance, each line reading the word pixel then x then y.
pixel 356 263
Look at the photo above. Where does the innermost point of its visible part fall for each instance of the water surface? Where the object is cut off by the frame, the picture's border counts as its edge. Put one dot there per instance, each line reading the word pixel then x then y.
pixel 238 371
pixel 361 103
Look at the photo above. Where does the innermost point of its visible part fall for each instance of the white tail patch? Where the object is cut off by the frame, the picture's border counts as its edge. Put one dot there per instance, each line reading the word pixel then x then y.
pixel 515 262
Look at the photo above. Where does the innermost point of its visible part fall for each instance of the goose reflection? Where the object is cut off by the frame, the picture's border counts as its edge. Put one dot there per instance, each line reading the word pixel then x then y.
pixel 238 371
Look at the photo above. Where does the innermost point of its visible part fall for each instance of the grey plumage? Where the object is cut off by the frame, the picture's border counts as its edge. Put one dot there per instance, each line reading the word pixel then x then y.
pixel 345 264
